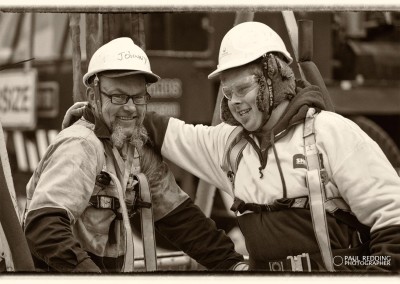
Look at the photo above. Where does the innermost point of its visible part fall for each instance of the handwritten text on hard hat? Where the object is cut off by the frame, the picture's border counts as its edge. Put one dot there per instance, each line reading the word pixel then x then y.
pixel 129 55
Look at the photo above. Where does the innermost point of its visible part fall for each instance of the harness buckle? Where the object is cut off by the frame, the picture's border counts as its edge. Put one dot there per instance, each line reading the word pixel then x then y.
pixel 324 176
pixel 231 176
pixel 300 202
pixel 105 202
pixel 276 266
pixel 297 264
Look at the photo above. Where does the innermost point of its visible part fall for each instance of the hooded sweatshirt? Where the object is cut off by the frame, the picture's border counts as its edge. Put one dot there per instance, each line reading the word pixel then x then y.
pixel 359 172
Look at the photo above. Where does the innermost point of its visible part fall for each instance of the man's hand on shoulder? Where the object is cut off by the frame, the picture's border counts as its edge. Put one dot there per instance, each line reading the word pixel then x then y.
pixel 73 113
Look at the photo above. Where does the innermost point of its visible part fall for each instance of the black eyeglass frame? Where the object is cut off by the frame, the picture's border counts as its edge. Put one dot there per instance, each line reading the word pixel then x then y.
pixel 126 98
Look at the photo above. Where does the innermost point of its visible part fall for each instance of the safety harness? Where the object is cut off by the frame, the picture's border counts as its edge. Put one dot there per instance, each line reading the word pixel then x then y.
pixel 316 201
pixel 135 199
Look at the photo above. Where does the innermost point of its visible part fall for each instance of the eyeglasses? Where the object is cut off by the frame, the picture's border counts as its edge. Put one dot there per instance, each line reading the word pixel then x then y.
pixel 121 99
pixel 240 89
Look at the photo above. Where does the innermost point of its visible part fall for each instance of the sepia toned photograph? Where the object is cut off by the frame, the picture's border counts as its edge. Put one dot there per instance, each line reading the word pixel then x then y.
pixel 195 141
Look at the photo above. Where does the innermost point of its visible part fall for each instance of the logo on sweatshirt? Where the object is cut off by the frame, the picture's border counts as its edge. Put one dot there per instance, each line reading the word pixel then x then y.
pixel 299 161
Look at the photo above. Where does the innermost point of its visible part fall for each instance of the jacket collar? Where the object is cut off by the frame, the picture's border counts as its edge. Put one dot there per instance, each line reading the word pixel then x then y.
pixel 100 128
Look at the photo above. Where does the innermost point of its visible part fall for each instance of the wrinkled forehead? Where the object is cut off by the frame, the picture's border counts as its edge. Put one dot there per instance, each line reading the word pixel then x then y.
pixel 239 75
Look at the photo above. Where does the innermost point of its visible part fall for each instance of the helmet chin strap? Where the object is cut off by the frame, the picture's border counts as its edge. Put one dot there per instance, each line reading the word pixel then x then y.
pixel 97 96
pixel 266 71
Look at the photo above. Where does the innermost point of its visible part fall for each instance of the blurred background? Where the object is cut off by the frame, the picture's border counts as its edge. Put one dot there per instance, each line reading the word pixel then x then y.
pixel 357 53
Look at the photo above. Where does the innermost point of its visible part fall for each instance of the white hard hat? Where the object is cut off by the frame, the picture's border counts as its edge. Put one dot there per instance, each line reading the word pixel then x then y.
pixel 120 54
pixel 245 43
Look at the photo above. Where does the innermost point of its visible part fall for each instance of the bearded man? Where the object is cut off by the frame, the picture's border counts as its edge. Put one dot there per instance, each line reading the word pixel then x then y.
pixel 79 197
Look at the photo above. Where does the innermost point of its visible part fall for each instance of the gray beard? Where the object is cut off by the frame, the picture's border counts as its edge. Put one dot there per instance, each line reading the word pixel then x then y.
pixel 138 138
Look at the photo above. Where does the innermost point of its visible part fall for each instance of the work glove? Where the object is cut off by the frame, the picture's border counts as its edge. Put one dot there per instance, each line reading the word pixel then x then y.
pixel 73 114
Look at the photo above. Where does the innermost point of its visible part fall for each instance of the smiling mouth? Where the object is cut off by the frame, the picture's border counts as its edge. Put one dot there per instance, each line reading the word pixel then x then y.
pixel 244 112
pixel 126 117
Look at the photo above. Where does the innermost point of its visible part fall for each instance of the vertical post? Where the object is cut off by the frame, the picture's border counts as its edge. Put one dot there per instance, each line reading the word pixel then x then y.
pixel 129 25
pixel 138 35
pixel 291 25
pixel 94 35
pixel 78 88
pixel 9 217
pixel 17 253
pixel 31 20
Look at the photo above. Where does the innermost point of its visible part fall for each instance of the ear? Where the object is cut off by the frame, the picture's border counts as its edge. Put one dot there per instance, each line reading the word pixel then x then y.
pixel 90 94
pixel 91 97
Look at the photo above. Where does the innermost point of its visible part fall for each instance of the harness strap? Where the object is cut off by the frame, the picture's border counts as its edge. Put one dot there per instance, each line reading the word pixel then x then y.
pixel 279 204
pixel 234 136
pixel 147 223
pixel 132 167
pixel 128 261
pixel 352 221
pixel 236 153
pixel 316 191
pixel 333 204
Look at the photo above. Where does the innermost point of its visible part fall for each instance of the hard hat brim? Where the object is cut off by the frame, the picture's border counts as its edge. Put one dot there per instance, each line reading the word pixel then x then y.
pixel 238 63
pixel 233 64
pixel 150 77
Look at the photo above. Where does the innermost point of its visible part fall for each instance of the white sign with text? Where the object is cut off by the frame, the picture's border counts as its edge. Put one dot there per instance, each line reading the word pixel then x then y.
pixel 18 98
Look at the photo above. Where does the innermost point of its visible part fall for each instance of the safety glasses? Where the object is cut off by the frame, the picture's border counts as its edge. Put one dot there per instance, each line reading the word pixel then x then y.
pixel 241 88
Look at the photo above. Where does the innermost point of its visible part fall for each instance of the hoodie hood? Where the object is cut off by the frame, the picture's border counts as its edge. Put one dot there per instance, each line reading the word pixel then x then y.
pixel 306 96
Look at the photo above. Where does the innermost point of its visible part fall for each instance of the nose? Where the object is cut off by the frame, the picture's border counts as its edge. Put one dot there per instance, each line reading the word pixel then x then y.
pixel 130 105
pixel 235 99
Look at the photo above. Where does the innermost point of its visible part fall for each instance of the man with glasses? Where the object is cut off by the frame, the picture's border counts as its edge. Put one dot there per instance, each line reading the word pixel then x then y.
pixel 80 195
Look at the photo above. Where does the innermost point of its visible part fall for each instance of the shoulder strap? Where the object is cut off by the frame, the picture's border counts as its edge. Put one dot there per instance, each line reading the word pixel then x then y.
pixel 135 178
pixel 128 262
pixel 316 191
pixel 147 224
pixel 233 150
